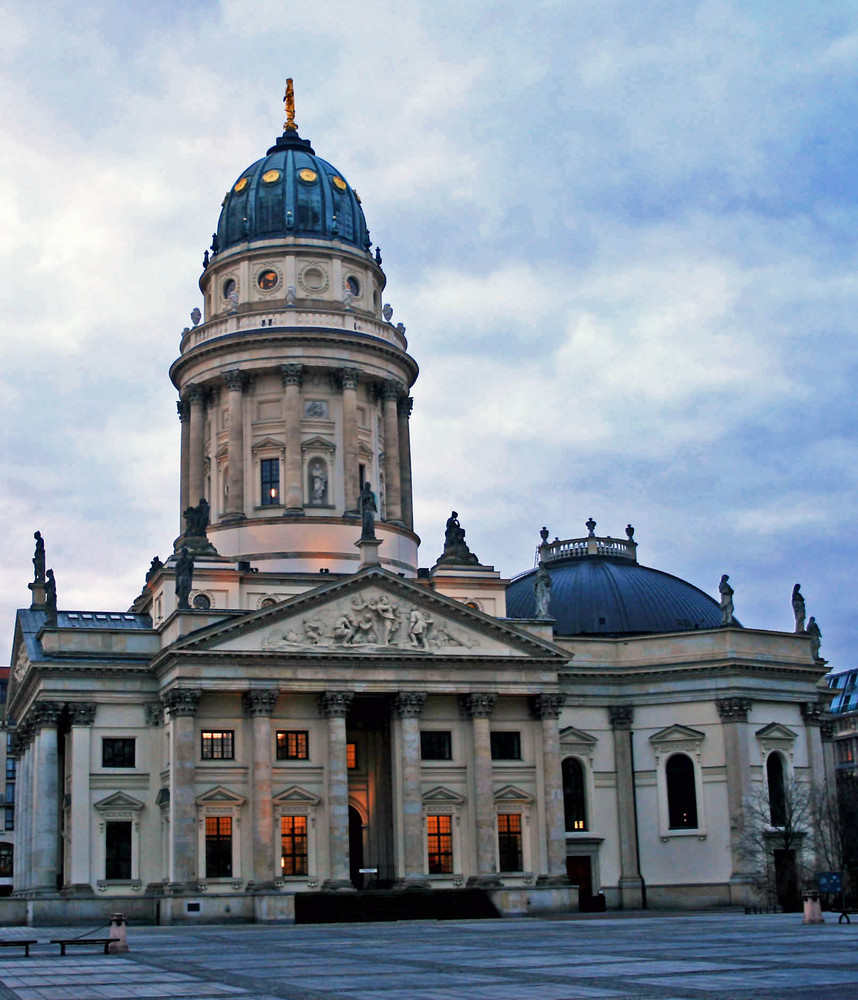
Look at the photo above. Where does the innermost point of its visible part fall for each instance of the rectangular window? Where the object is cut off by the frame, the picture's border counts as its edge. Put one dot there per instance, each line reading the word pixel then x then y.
pixel 117 850
pixel 270 473
pixel 439 835
pixel 10 818
pixel 293 845
pixel 218 846
pixel 436 744
pixel 217 744
pixel 6 861
pixel 10 793
pixel 509 842
pixel 506 745
pixel 10 768
pixel 351 755
pixel 117 751
pixel 292 744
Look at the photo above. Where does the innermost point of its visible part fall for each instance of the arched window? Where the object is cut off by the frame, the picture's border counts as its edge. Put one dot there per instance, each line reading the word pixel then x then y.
pixel 681 793
pixel 574 796
pixel 777 793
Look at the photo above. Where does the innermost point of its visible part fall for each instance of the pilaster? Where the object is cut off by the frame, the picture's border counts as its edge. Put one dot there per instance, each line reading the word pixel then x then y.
pixel 390 393
pixel 349 378
pixel 631 881
pixel 79 877
pixel 182 705
pixel 733 713
pixel 404 408
pixel 195 401
pixel 46 791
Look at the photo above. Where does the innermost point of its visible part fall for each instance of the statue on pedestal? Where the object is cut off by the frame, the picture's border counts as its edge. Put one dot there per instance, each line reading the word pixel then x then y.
pixel 51 594
pixel 197 519
pixel 815 633
pixel 184 578
pixel 368 510
pixel 39 559
pixel 798 607
pixel 542 590
pixel 456 551
pixel 726 592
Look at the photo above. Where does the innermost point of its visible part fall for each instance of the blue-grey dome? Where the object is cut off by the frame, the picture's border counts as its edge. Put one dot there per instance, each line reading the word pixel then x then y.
pixel 603 595
pixel 291 192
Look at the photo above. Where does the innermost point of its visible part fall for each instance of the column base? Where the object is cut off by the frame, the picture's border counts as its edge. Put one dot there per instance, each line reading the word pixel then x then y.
pixel 77 889
pixel 337 885
pixel 631 893
pixel 485 882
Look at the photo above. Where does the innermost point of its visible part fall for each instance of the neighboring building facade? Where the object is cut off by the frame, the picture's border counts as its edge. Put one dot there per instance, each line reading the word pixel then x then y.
pixel 312 710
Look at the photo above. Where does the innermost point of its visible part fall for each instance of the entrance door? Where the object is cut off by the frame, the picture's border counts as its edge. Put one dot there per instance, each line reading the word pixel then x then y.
pixel 356 848
pixel 786 881
pixel 579 868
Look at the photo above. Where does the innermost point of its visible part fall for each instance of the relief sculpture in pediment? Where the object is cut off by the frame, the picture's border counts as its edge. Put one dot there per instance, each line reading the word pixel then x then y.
pixel 377 622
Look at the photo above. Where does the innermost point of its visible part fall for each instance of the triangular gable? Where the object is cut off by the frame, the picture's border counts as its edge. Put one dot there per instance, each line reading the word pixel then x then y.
pixel 577 741
pixel 373 611
pixel 119 802
pixel 510 793
pixel 296 796
pixel 677 734
pixel 219 796
pixel 267 442
pixel 318 444
pixel 439 795
pixel 776 732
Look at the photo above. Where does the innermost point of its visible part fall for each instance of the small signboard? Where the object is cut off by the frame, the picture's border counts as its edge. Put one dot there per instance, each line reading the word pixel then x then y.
pixel 368 871
pixel 829 881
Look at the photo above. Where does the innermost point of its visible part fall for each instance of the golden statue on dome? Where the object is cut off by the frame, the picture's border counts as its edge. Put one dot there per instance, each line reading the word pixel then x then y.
pixel 289 106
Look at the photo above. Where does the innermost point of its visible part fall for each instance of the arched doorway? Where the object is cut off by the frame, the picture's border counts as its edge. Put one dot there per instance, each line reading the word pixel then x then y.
pixel 356 848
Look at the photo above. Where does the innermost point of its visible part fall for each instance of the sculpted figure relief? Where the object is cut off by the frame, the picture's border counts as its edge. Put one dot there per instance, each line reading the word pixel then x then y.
pixel 319 483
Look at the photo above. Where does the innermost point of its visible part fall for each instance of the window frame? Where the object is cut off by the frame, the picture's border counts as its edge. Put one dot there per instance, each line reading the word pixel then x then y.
pixel 510 835
pixel 665 744
pixel 495 738
pixel 302 737
pixel 446 751
pixel 267 483
pixel 211 735
pixel 287 818
pixel 444 863
pixel 114 741
pixel 585 796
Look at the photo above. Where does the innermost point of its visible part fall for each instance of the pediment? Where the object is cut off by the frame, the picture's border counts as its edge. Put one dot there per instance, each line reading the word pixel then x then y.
pixel 776 732
pixel 677 734
pixel 318 443
pixel 219 796
pixel 296 796
pixel 439 795
pixel 267 442
pixel 511 793
pixel 576 739
pixel 372 612
pixel 119 802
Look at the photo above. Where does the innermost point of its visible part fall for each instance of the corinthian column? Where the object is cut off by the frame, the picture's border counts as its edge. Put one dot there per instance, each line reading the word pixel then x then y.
pixel 409 705
pixel 349 378
pixel 547 707
pixel 404 408
pixel 196 439
pixel 334 706
pixel 46 797
pixel 631 882
pixel 235 446
pixel 259 704
pixel 184 412
pixel 390 394
pixel 479 708
pixel 293 376
pixel 182 705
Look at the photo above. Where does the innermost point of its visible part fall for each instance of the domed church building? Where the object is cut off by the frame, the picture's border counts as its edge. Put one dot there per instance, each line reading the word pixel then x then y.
pixel 295 718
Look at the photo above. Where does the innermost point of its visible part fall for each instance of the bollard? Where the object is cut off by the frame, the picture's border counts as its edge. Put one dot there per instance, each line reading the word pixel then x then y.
pixel 118 934
pixel 812 909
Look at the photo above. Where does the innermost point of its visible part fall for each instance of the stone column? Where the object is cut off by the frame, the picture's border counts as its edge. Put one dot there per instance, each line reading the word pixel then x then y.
pixel 24 808
pixel 196 443
pixel 26 835
pixel 79 876
pixel 547 707
pixel 734 716
pixel 46 797
pixel 334 706
pixel 826 737
pixel 235 446
pixel 631 882
pixel 405 406
pixel 292 378
pixel 349 378
pixel 811 712
pixel 184 412
pixel 390 393
pixel 259 704
pixel 479 707
pixel 182 705
pixel 409 705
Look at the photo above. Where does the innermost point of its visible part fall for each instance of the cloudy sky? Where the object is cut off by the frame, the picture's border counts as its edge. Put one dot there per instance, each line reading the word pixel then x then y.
pixel 622 237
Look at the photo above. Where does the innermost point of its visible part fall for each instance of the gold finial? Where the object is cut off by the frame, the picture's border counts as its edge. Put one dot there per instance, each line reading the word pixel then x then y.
pixel 289 104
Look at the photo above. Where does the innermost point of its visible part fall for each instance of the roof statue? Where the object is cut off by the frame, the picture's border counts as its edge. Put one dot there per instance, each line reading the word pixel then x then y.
pixel 368 510
pixel 51 595
pixel 815 633
pixel 726 592
pixel 184 578
pixel 39 559
pixel 798 607
pixel 456 551
pixel 542 591
pixel 154 566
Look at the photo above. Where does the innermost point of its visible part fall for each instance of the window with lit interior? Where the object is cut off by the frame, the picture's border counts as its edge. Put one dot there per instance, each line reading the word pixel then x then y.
pixel 293 845
pixel 217 744
pixel 293 744
pixel 270 481
pixel 574 796
pixel 439 836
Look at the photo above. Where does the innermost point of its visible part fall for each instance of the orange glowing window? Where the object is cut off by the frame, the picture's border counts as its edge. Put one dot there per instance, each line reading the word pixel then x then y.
pixel 293 845
pixel 351 755
pixel 439 837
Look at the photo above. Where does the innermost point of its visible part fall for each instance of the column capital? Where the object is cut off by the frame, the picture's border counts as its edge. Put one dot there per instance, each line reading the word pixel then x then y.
pixel 349 378
pixel 409 704
pixel 392 389
pixel 45 713
pixel 335 704
pixel 292 374
pixel 234 380
pixel 733 709
pixel 621 716
pixel 811 712
pixel 406 405
pixel 547 706
pixel 154 713
pixel 260 701
pixel 194 394
pixel 183 410
pixel 479 705
pixel 182 701
pixel 82 713
pixel 826 730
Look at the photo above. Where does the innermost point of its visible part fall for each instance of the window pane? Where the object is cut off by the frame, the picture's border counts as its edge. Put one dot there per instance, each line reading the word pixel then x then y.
pixel 6 858
pixel 681 793
pixel 436 745
pixel 777 796
pixel 574 799
pixel 270 473
pixel 217 745
pixel 439 834
pixel 117 851
pixel 293 845
pixel 351 755
pixel 506 745
pixel 117 752
pixel 509 842
pixel 218 846
pixel 292 745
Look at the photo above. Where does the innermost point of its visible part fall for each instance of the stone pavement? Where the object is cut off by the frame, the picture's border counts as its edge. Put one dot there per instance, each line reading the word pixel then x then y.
pixel 724 956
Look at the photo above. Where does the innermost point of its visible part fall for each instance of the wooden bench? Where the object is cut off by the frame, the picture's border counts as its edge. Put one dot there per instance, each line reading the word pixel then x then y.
pixel 66 942
pixel 20 943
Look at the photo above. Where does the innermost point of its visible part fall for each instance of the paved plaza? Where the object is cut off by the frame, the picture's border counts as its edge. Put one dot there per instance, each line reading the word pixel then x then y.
pixel 669 957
